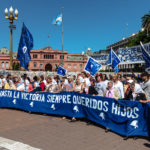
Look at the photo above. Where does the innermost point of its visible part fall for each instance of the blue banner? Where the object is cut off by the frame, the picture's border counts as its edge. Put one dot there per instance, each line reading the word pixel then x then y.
pixel 128 118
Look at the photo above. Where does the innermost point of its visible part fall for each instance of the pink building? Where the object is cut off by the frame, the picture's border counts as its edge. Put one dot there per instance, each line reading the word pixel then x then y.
pixel 47 59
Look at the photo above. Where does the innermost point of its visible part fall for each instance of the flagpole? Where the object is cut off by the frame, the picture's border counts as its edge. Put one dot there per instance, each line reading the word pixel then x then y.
pixel 62 34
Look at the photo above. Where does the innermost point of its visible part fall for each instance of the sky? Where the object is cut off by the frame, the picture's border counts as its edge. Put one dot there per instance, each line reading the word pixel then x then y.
pixel 91 24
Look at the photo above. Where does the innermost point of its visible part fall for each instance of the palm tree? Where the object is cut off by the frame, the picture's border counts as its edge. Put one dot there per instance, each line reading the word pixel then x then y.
pixel 146 22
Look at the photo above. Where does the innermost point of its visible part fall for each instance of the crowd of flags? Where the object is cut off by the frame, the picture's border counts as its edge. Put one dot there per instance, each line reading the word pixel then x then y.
pixel 92 66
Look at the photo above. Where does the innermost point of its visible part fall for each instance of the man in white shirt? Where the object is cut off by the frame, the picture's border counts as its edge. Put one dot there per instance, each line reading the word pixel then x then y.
pixel 146 84
pixel 87 82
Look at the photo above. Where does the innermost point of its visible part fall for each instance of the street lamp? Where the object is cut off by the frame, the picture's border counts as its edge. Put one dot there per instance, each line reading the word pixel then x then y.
pixel 11 18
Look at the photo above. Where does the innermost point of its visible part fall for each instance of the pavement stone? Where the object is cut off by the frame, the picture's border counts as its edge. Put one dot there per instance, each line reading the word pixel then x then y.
pixel 47 132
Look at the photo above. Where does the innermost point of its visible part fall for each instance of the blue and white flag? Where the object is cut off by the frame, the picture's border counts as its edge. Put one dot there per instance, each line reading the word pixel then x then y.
pixel 58 20
pixel 92 66
pixel 146 57
pixel 25 46
pixel 113 59
pixel 61 71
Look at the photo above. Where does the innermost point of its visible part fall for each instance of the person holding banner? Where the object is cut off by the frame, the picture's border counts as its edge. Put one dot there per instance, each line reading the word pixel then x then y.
pixel 99 85
pixel 146 84
pixel 62 85
pixel 50 87
pixel 78 86
pixel 111 92
pixel 86 82
pixel 92 90
pixel 135 94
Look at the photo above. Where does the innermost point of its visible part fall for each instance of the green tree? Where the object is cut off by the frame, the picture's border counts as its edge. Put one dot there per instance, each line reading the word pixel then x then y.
pixel 141 36
pixel 146 21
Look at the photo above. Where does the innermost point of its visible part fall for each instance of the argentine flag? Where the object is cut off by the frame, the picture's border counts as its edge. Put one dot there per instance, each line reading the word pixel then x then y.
pixel 92 66
pixel 113 59
pixel 146 58
pixel 61 71
pixel 58 20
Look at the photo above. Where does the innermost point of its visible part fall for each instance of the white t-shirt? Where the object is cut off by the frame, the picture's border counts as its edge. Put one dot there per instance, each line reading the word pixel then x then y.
pixel 45 82
pixel 119 87
pixel 54 81
pixel 87 82
pixel 81 79
pixel 104 85
pixel 99 88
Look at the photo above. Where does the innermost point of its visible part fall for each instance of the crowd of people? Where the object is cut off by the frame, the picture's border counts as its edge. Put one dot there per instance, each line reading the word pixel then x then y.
pixel 118 86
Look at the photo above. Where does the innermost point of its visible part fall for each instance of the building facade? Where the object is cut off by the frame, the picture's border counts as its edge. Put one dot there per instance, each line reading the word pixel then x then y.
pixel 46 59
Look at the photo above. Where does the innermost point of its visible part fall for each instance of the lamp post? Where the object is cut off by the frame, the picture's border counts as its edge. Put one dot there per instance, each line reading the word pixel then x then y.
pixel 11 18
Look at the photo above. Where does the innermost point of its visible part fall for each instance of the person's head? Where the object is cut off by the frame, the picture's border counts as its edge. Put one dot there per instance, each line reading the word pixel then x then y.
pixel 28 78
pixel 9 82
pixel 62 81
pixel 25 76
pixel 49 80
pixel 56 78
pixel 78 81
pixel 128 77
pixel 115 78
pixel 84 75
pixel 8 76
pixel 18 80
pixel 2 76
pixel 145 76
pixel 74 77
pixel 110 77
pixel 110 85
pixel 134 78
pixel 42 78
pixel 88 75
pixel 132 87
pixel 35 78
pixel 104 76
pixel 119 77
pixel 92 81
pixel 15 79
pixel 98 78
pixel 70 80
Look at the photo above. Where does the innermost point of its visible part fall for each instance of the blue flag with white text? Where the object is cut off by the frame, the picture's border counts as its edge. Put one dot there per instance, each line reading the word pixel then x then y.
pixel 61 71
pixel 113 59
pixel 146 57
pixel 25 46
pixel 92 66
pixel 58 20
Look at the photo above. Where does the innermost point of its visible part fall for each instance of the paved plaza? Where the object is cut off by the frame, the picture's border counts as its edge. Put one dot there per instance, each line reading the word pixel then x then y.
pixel 20 130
